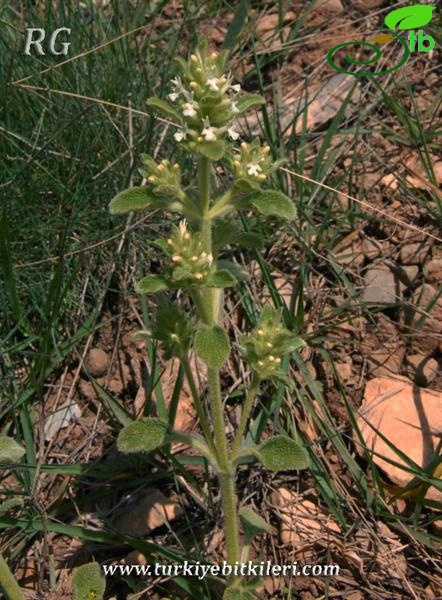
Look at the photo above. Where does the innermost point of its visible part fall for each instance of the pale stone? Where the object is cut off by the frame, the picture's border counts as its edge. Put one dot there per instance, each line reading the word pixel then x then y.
pixel 381 286
pixel 409 417
pixel 60 419
pixel 97 362
pixel 414 254
pixel 425 306
pixel 302 522
pixel 434 270
pixel 423 368
pixel 150 510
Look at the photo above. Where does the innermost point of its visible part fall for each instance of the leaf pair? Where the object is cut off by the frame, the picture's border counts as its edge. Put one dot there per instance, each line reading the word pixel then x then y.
pixel 151 284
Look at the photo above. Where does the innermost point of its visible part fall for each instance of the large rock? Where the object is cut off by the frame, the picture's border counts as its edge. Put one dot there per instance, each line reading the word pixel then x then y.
pixel 409 417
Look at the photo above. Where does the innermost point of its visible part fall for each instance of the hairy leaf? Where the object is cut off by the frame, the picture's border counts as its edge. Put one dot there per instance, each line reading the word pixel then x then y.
pixel 152 283
pixel 135 198
pixel 281 453
pixel 250 101
pixel 212 344
pixel 236 270
pixel 213 150
pixel 143 436
pixel 252 522
pixel 221 279
pixel 88 582
pixel 271 202
pixel 249 239
pixel 10 451
pixel 164 107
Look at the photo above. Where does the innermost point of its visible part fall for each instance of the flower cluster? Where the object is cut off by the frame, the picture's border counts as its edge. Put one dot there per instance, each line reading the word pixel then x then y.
pixel 206 99
pixel 189 263
pixel 164 177
pixel 252 164
pixel 174 329
pixel 266 345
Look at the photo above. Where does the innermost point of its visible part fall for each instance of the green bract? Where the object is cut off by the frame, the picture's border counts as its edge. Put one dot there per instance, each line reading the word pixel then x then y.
pixel 164 177
pixel 212 345
pixel 189 263
pixel 174 329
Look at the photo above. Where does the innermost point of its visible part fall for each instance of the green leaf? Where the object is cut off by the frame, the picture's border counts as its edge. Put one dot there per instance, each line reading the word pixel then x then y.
pixel 271 202
pixel 221 279
pixel 135 198
pixel 238 272
pixel 249 239
pixel 213 150
pixel 88 582
pixel 409 17
pixel 252 522
pixel 11 504
pixel 10 451
pixel 164 107
pixel 143 436
pixel 245 103
pixel 237 594
pixel 153 283
pixel 236 25
pixel 212 344
pixel 281 453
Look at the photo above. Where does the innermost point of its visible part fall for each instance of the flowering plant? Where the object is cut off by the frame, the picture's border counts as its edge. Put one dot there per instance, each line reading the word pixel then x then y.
pixel 204 103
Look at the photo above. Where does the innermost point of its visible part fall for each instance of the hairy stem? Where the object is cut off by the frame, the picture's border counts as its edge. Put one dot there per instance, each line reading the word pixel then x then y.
pixel 8 582
pixel 209 313
pixel 245 414
pixel 198 405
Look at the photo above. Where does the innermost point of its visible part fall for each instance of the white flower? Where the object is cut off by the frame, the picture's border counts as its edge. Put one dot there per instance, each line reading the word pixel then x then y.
pixel 173 96
pixel 180 135
pixel 209 132
pixel 236 88
pixel 233 135
pixel 254 169
pixel 182 228
pixel 213 84
pixel 190 108
pixel 234 108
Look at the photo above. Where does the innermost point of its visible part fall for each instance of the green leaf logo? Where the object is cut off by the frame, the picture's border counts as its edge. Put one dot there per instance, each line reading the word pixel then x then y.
pixel 409 17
